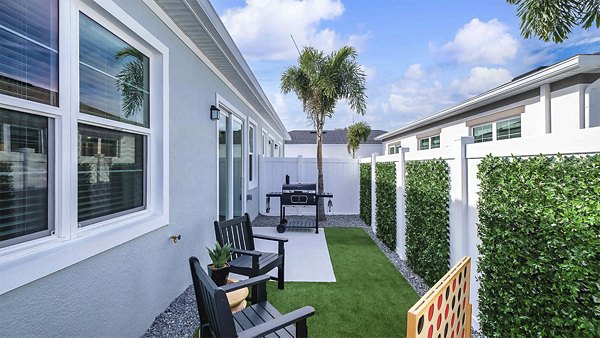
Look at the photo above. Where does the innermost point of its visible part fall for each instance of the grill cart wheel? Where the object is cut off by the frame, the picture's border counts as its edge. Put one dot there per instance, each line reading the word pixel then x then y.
pixel 281 228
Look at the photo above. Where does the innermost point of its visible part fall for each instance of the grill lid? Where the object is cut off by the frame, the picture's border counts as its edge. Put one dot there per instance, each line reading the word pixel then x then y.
pixel 299 186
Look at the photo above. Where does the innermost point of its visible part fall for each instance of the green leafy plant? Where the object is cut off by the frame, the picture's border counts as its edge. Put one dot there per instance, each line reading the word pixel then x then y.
pixel 427 219
pixel 365 192
pixel 385 215
pixel 357 133
pixel 539 226
pixel 219 255
pixel 554 19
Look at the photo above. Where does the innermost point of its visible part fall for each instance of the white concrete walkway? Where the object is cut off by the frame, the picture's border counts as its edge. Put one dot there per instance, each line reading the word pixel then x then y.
pixel 306 254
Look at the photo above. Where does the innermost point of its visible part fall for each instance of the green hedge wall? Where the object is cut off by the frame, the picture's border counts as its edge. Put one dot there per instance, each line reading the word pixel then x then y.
pixel 385 190
pixel 539 225
pixel 365 192
pixel 427 221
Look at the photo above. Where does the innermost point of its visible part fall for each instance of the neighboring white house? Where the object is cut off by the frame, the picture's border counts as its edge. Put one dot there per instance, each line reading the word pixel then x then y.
pixel 561 98
pixel 108 148
pixel 304 143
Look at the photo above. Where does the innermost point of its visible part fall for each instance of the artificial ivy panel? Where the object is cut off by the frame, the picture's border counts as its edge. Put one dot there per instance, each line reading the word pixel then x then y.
pixel 427 219
pixel 539 226
pixel 365 192
pixel 385 190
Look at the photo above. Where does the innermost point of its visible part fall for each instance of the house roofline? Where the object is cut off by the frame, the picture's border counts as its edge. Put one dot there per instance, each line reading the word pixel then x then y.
pixel 545 75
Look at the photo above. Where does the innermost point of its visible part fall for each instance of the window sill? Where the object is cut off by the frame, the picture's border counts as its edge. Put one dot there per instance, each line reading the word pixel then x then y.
pixel 42 257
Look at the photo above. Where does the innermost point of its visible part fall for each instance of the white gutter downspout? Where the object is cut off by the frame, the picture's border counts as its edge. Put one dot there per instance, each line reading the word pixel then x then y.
pixel 592 105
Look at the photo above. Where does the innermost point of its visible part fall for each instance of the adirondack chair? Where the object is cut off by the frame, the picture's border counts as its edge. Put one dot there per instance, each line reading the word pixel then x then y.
pixel 245 260
pixel 258 320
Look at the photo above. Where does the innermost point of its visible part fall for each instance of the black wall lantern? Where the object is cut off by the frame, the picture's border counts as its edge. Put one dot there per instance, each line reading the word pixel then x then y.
pixel 214 113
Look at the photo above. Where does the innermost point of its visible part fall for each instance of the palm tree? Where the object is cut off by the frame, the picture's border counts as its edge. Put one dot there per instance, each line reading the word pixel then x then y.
pixel 130 80
pixel 357 133
pixel 320 80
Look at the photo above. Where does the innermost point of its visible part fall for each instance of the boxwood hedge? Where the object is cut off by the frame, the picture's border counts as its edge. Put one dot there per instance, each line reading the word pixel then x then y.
pixel 385 190
pixel 427 220
pixel 365 192
pixel 539 225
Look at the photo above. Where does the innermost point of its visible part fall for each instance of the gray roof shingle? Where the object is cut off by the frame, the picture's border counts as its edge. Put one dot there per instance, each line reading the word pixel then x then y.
pixel 337 136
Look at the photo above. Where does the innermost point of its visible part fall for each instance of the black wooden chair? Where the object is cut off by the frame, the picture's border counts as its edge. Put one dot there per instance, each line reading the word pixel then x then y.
pixel 245 260
pixel 258 320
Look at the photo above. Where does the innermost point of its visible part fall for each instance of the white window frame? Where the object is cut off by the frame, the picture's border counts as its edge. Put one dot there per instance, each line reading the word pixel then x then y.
pixel 492 124
pixel 28 261
pixel 430 142
pixel 252 184
pixel 394 146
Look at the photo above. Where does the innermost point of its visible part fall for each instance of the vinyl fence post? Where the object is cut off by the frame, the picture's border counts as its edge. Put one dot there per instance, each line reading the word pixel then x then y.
pixel 400 206
pixel 300 168
pixel 373 194
pixel 459 201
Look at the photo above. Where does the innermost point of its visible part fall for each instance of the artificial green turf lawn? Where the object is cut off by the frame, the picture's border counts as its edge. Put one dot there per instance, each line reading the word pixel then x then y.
pixel 369 299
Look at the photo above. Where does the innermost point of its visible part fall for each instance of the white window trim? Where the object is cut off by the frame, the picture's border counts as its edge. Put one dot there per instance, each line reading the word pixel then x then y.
pixel 25 262
pixel 252 184
pixel 493 124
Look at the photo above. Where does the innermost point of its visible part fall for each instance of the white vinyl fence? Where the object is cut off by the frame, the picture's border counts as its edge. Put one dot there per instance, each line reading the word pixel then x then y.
pixel 463 156
pixel 340 176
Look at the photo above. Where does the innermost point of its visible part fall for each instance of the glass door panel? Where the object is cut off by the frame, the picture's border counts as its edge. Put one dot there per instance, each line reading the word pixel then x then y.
pixel 238 164
pixel 223 168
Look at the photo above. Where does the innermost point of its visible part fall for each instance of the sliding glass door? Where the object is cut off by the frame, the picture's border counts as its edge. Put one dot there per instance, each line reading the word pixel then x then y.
pixel 230 135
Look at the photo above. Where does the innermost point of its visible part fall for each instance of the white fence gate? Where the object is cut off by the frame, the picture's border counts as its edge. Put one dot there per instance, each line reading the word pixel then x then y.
pixel 340 176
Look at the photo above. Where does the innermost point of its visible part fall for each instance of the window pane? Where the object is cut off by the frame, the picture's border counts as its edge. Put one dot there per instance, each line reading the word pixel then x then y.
pixel 250 169
pixel 509 129
pixel 113 76
pixel 29 44
pixel 110 172
pixel 23 177
pixel 482 133
pixel 251 139
pixel 435 142
pixel 424 143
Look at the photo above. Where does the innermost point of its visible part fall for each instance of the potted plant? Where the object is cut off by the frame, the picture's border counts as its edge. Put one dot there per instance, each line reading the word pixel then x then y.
pixel 219 269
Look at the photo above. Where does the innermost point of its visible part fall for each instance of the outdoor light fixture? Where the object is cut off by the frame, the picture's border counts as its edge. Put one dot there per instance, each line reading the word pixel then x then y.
pixel 214 113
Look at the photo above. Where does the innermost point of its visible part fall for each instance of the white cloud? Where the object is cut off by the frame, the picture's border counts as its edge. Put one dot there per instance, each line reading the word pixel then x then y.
pixel 262 28
pixel 415 72
pixel 480 80
pixel 480 42
pixel 369 72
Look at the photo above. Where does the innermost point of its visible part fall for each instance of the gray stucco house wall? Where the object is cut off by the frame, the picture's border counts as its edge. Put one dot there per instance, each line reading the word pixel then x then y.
pixel 120 291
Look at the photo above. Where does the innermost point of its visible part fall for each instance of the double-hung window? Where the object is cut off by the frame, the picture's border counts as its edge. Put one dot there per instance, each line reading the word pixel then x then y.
pixel 28 71
pixel 394 149
pixel 79 145
pixel 111 160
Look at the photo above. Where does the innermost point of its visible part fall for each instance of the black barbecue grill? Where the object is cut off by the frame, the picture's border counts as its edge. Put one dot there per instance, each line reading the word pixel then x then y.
pixel 297 195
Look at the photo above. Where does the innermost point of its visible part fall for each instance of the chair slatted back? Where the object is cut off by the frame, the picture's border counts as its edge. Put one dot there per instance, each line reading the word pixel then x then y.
pixel 237 232
pixel 213 306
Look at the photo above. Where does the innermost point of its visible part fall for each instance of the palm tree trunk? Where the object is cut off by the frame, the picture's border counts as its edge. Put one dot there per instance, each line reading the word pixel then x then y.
pixel 320 185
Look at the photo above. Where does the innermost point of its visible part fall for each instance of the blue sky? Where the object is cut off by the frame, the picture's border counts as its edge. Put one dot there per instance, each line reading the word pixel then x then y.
pixel 420 56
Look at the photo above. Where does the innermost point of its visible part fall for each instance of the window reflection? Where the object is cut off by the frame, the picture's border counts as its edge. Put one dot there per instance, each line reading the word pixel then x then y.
pixel 23 177
pixel 110 172
pixel 29 44
pixel 113 76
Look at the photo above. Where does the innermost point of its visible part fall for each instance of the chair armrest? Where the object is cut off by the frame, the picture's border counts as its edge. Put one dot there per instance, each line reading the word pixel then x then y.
pixel 246 252
pixel 278 323
pixel 270 238
pixel 246 283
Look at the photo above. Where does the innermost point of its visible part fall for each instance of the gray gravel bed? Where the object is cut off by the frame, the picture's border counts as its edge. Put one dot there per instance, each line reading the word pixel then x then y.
pixel 180 319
